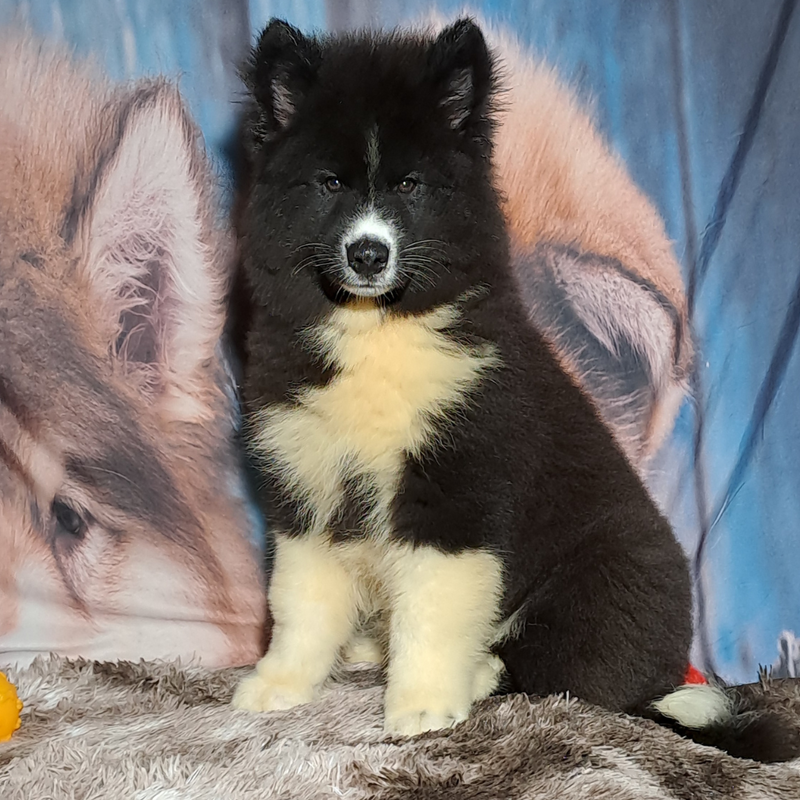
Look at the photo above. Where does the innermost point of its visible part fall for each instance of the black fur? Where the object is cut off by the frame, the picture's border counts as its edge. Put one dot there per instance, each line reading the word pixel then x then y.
pixel 528 471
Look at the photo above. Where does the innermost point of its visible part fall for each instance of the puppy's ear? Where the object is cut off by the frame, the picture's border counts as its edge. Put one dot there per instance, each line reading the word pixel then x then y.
pixel 281 69
pixel 461 68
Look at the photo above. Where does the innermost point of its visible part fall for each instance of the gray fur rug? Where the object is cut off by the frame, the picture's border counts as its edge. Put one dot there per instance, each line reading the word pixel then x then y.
pixel 159 730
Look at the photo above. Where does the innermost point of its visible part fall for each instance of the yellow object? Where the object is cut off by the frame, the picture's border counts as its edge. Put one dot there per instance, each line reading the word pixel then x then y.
pixel 10 706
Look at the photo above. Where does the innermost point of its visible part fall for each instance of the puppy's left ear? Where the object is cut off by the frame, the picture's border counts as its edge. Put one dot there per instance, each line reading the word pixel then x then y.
pixel 461 68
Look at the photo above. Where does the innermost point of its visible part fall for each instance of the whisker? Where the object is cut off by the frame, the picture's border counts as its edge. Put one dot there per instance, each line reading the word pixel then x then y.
pixel 421 274
pixel 424 260
pixel 307 262
pixel 319 245
pixel 426 242
pixel 425 263
pixel 316 260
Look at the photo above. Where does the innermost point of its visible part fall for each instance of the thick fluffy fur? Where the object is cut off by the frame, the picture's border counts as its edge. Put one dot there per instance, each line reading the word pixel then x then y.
pixel 428 466
pixel 116 414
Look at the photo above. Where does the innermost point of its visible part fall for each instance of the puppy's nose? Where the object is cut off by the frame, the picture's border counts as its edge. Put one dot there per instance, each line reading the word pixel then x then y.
pixel 367 257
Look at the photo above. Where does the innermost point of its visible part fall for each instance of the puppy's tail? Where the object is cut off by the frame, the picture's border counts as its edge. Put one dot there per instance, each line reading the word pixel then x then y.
pixel 760 721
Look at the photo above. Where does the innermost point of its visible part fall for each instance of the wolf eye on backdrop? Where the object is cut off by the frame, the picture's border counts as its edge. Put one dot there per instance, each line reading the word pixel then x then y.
pixel 699 99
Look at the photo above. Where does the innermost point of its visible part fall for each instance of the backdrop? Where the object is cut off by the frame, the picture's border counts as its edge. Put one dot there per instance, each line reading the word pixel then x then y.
pixel 700 98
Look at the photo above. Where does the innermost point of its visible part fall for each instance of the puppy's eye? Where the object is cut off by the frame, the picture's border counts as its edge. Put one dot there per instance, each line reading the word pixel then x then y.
pixel 68 521
pixel 407 185
pixel 333 184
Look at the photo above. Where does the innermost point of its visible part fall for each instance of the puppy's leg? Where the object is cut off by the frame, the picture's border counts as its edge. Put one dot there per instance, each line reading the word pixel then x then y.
pixel 611 625
pixel 443 610
pixel 312 599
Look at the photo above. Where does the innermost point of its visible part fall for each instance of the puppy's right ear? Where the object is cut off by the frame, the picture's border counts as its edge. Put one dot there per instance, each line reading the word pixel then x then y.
pixel 280 70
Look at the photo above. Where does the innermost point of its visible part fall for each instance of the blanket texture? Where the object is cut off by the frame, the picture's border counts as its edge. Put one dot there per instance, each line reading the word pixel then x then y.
pixel 162 730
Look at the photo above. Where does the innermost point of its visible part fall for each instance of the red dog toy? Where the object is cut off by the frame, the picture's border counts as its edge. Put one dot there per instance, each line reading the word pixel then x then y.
pixel 694 676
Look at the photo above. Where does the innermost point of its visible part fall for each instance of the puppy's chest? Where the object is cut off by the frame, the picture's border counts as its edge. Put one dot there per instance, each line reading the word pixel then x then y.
pixel 396 380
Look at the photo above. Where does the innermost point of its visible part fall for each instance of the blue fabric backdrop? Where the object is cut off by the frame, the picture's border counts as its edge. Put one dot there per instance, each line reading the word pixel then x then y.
pixel 700 98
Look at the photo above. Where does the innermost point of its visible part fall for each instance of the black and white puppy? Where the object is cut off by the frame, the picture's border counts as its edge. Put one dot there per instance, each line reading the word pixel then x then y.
pixel 425 461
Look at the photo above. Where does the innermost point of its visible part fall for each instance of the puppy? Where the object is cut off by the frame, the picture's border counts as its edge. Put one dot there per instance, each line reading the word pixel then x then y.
pixel 429 469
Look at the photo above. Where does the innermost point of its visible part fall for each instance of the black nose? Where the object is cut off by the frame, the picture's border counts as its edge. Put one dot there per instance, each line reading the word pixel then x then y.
pixel 367 257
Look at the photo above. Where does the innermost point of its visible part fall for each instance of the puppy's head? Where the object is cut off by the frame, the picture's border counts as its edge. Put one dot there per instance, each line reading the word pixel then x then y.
pixel 371 164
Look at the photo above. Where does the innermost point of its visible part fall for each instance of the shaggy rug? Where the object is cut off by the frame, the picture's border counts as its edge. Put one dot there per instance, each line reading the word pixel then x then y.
pixel 160 730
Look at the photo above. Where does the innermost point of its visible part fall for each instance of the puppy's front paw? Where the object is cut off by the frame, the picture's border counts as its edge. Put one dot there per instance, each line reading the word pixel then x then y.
pixel 416 711
pixel 416 722
pixel 259 692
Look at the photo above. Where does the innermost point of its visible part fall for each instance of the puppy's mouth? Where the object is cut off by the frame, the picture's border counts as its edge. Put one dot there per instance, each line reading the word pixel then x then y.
pixel 366 287
pixel 341 286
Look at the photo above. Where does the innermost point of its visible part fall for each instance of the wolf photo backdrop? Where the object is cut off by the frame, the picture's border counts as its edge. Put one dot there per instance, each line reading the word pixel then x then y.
pixel 697 100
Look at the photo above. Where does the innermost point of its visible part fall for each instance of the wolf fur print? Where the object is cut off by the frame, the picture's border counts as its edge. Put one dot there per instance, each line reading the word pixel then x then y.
pixel 444 494
pixel 124 528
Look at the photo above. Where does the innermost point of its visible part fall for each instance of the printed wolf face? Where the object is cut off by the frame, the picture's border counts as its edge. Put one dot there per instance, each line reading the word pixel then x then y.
pixel 123 525
pixel 370 164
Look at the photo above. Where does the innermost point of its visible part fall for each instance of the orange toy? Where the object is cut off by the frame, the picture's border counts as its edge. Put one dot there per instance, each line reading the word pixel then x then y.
pixel 10 706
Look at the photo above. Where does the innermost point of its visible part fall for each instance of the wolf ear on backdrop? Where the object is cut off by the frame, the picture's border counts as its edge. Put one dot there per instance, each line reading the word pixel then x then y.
pixel 459 62
pixel 158 285
pixel 281 69
pixel 616 331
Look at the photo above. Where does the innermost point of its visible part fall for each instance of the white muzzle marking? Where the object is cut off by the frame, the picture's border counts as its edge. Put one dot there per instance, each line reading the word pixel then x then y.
pixel 370 225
